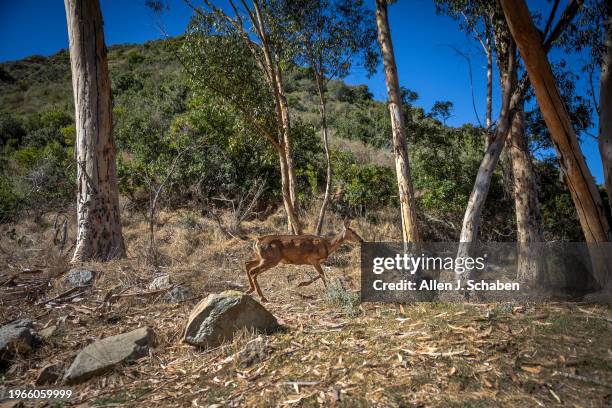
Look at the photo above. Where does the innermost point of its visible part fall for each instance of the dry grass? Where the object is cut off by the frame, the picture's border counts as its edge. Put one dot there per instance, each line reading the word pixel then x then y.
pixel 333 351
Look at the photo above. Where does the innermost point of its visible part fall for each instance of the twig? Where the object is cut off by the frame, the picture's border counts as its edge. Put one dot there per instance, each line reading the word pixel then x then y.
pixel 63 294
pixel 595 315
pixel 148 293
pixel 432 353
pixel 582 378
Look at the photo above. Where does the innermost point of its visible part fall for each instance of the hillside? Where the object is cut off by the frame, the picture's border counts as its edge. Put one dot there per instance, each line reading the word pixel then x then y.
pixel 152 97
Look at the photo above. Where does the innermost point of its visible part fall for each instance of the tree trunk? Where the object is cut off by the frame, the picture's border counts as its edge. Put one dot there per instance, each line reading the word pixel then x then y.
pixel 410 229
pixel 328 175
pixel 285 120
pixel 605 108
pixel 473 211
pixel 488 118
pixel 271 66
pixel 489 89
pixel 528 220
pixel 291 214
pixel 580 182
pixel 99 234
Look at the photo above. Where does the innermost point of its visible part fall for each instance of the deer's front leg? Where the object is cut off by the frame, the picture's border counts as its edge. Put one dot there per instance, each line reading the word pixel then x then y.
pixel 321 274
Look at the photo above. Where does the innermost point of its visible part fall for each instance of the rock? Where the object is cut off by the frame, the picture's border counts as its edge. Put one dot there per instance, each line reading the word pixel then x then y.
pixel 48 332
pixel 161 282
pixel 177 294
pixel 79 277
pixel 104 354
pixel 254 352
pixel 49 374
pixel 17 337
pixel 216 318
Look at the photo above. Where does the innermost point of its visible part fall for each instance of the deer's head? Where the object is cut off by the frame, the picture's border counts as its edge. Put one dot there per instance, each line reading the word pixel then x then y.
pixel 349 234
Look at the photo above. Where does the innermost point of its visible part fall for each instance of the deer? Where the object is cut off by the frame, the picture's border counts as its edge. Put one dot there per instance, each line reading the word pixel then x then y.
pixel 271 250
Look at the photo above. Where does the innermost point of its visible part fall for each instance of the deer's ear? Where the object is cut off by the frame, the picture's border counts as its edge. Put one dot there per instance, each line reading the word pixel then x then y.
pixel 347 223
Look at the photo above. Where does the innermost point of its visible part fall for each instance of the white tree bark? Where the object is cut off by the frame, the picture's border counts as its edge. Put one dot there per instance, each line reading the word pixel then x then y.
pixel 328 173
pixel 99 234
pixel 410 229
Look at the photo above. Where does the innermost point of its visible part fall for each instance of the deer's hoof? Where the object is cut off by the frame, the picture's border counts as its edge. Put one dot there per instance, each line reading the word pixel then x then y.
pixel 264 300
pixel 302 284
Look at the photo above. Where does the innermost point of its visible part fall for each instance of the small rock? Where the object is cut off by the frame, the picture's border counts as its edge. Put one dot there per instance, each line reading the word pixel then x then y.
pixel 49 374
pixel 104 354
pixel 48 332
pixel 17 337
pixel 177 294
pixel 161 282
pixel 79 277
pixel 254 352
pixel 216 318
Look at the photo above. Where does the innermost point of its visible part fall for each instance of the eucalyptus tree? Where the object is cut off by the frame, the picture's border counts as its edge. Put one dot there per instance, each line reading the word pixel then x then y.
pixel 410 227
pixel 99 235
pixel 592 34
pixel 330 36
pixel 262 52
pixel 509 125
pixel 585 195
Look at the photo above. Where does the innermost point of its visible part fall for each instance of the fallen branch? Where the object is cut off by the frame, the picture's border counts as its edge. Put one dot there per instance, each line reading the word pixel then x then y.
pixel 432 353
pixel 595 315
pixel 147 293
pixel 63 294
pixel 583 379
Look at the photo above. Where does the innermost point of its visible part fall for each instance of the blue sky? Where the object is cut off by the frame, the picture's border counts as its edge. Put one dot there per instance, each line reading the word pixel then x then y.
pixel 425 62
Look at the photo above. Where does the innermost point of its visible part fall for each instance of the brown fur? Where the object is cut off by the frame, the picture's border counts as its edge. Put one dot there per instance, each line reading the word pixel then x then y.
pixel 272 250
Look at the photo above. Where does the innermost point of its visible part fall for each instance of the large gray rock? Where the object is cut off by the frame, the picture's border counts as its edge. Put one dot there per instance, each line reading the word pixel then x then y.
pixel 216 318
pixel 17 337
pixel 104 354
pixel 79 277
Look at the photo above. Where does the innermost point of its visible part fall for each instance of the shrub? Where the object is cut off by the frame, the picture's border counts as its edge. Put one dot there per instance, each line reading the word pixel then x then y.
pixel 9 200
pixel 364 186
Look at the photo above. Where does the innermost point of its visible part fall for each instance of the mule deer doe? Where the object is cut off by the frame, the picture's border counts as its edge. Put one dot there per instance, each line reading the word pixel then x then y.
pixel 272 250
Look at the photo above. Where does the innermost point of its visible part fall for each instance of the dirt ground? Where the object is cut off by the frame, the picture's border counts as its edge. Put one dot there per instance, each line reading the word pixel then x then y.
pixel 332 351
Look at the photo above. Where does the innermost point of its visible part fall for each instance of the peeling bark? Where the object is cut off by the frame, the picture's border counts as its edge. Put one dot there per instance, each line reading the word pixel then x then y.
pixel 99 234
pixel 579 180
pixel 526 206
pixel 410 229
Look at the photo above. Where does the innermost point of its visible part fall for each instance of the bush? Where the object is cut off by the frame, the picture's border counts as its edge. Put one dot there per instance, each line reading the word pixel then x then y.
pixel 364 186
pixel 9 200
pixel 343 299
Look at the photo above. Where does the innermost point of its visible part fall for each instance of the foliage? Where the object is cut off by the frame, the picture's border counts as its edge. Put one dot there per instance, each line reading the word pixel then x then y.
pixel 365 187
pixel 161 110
pixel 442 110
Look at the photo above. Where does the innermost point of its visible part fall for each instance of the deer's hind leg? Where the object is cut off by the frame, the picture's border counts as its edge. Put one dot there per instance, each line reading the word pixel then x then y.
pixel 249 265
pixel 263 266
